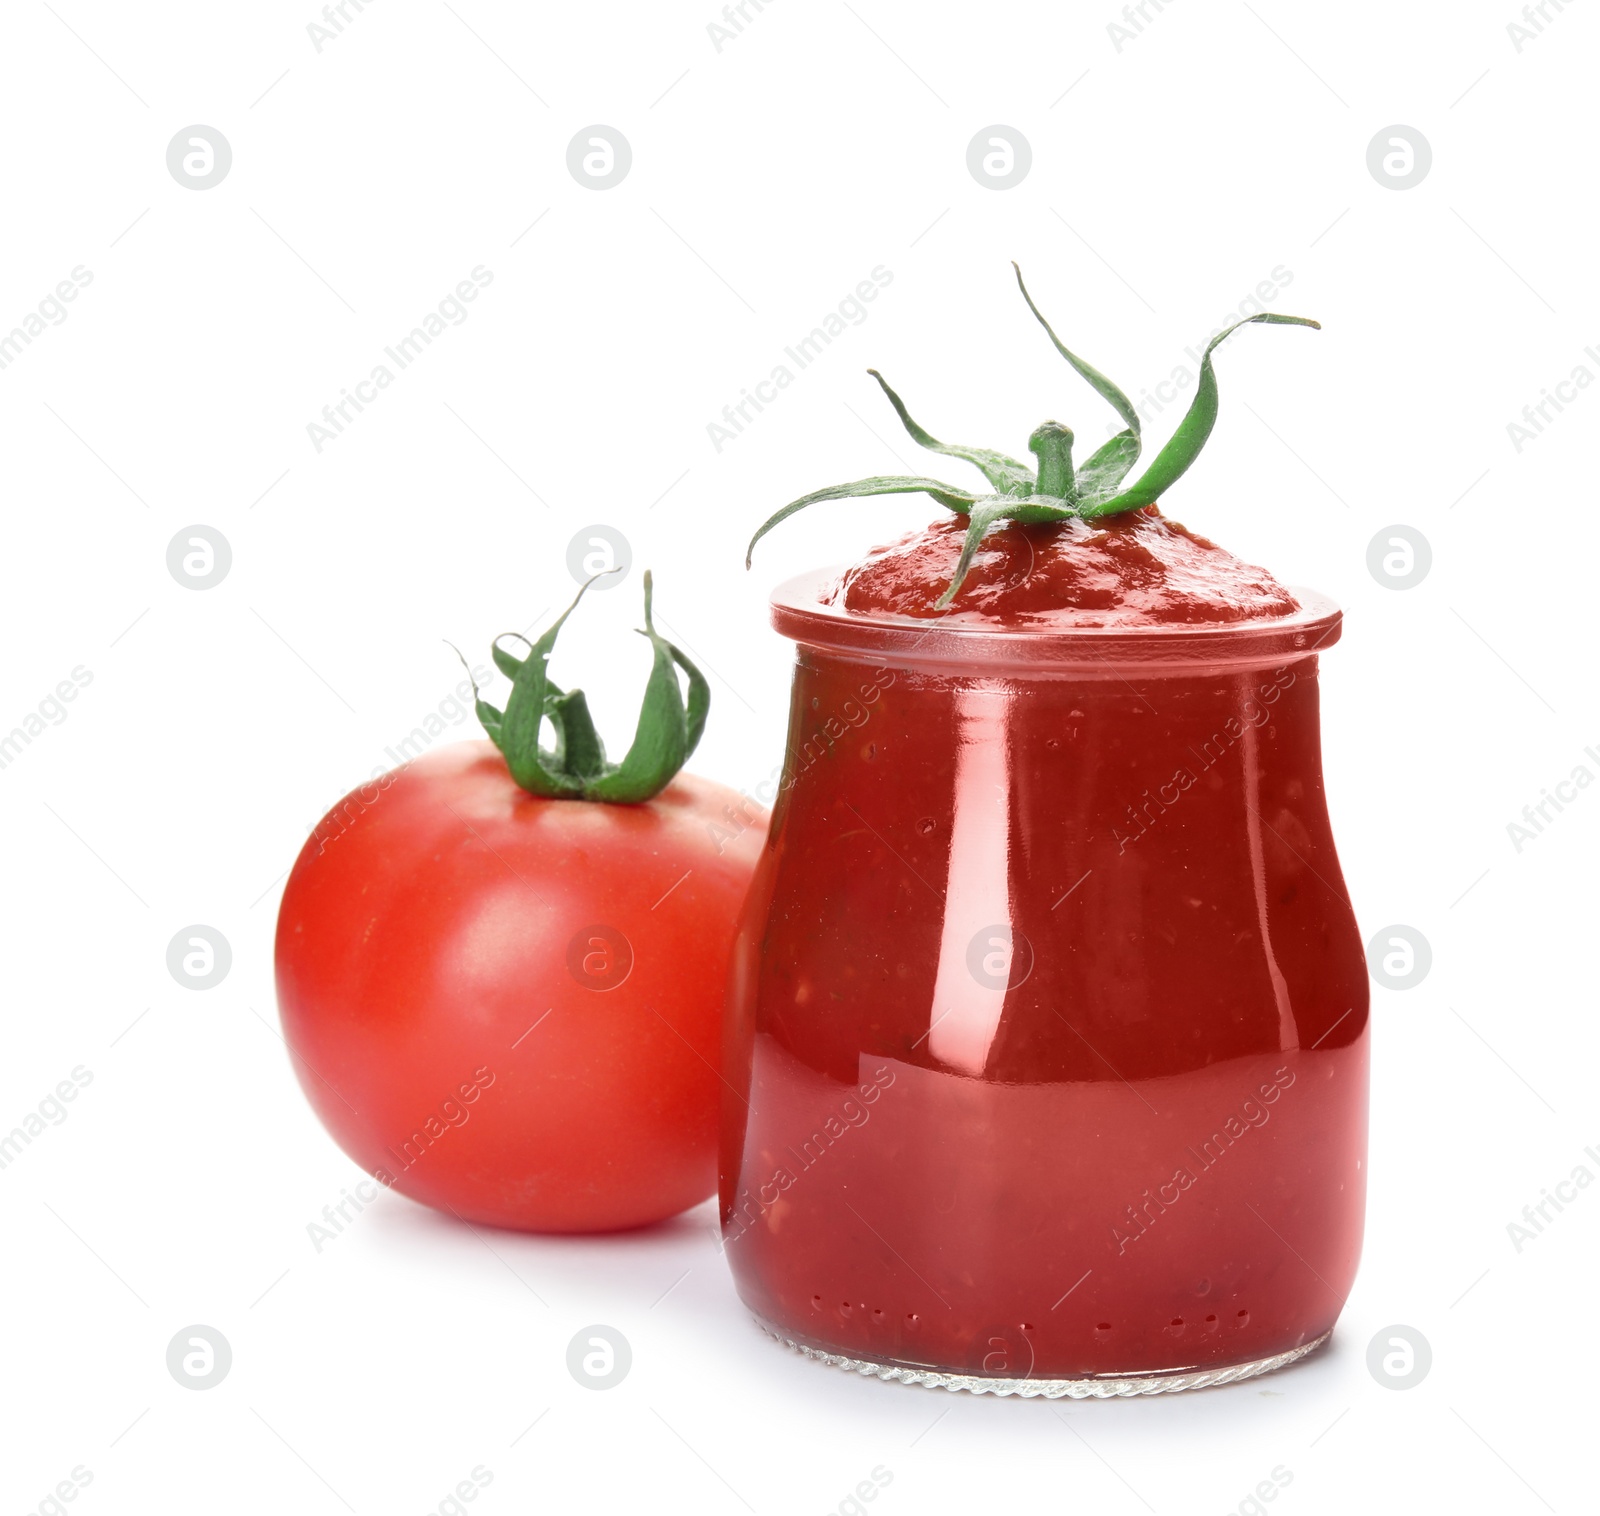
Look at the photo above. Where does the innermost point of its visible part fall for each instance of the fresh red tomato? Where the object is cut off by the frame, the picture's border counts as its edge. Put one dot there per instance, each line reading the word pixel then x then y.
pixel 510 1007
pixel 508 1004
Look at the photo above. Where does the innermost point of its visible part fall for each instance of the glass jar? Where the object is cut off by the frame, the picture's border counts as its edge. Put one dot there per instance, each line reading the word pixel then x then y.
pixel 1047 1047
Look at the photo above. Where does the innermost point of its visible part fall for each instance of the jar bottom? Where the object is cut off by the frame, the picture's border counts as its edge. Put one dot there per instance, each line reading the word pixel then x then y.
pixel 1097 1387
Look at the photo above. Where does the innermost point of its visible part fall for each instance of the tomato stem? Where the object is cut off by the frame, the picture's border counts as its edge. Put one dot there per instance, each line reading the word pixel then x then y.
pixel 1051 443
pixel 1059 491
pixel 670 724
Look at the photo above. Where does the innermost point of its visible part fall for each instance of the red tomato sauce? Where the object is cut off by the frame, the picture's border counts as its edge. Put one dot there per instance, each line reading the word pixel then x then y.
pixel 1048 1047
pixel 1133 569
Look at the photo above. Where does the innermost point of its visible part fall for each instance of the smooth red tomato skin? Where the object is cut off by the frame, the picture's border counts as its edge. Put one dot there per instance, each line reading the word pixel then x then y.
pixel 437 1028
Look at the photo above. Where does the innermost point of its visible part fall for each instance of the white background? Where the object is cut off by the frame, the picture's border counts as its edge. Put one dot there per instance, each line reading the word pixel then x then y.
pixel 768 178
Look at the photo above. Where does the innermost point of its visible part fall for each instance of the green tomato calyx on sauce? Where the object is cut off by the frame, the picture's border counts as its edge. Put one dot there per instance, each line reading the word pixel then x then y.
pixel 1055 490
pixel 669 729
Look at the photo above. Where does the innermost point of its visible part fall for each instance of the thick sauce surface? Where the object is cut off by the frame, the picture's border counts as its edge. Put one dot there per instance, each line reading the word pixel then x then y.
pixel 1130 570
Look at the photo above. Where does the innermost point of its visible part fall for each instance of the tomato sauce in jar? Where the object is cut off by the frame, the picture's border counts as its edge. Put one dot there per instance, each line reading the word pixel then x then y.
pixel 1048 1033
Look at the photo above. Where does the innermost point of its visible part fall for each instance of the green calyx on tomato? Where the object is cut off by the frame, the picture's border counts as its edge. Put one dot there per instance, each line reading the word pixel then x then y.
pixel 670 722
pixel 1055 490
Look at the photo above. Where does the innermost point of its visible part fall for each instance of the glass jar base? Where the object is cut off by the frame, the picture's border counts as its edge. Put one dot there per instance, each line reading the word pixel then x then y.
pixel 1097 1387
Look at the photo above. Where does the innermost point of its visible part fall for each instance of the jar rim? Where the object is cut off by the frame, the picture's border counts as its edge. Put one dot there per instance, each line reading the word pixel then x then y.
pixel 800 613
